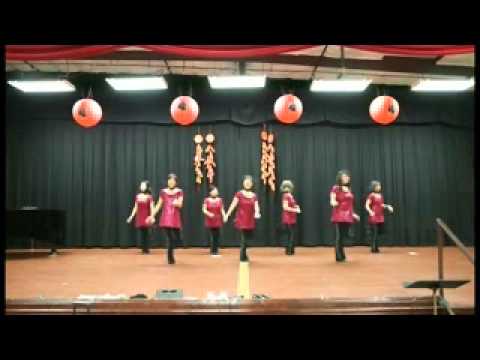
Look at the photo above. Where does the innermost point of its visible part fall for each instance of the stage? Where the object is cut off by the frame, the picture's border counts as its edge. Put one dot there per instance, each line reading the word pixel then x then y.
pixel 311 273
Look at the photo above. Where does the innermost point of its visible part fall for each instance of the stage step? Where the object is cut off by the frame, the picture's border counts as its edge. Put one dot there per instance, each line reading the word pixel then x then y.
pixel 333 306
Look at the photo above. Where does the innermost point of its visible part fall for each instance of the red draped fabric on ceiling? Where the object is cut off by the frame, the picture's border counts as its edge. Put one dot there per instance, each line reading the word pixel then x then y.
pixel 70 52
pixel 417 50
pixel 67 52
pixel 57 52
pixel 212 52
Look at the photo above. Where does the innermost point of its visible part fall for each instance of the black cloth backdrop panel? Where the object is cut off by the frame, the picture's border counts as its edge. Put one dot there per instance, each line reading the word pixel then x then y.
pixel 425 166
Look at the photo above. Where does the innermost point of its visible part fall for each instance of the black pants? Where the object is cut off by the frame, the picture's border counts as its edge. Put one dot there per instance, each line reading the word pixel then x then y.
pixel 244 236
pixel 146 238
pixel 341 234
pixel 214 240
pixel 290 230
pixel 376 230
pixel 173 237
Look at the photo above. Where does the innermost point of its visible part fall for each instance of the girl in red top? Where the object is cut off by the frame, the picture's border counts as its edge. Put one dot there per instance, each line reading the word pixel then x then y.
pixel 343 216
pixel 289 214
pixel 171 198
pixel 375 206
pixel 142 209
pixel 248 211
pixel 214 215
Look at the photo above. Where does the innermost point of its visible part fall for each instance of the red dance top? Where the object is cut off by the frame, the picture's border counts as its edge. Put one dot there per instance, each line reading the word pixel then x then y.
pixel 376 204
pixel 170 217
pixel 143 202
pixel 214 206
pixel 245 216
pixel 288 217
pixel 343 212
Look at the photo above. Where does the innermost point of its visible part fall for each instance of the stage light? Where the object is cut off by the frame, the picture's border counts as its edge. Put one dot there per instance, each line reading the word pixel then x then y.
pixel 443 85
pixel 42 86
pixel 138 83
pixel 339 85
pixel 236 82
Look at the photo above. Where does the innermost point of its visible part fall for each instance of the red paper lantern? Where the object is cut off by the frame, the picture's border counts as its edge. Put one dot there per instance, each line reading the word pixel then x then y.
pixel 384 110
pixel 288 109
pixel 184 110
pixel 87 112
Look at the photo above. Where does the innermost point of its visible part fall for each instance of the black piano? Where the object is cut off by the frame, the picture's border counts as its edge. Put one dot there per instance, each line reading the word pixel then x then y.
pixel 34 228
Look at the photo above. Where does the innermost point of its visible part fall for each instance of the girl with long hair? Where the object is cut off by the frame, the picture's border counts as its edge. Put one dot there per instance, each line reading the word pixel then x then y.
pixel 343 215
pixel 170 201
pixel 248 211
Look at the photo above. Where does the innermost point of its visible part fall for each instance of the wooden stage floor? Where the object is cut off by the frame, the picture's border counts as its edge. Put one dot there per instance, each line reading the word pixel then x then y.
pixel 311 273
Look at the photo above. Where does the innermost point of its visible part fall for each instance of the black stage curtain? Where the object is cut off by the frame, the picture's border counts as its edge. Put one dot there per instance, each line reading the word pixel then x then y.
pixel 424 161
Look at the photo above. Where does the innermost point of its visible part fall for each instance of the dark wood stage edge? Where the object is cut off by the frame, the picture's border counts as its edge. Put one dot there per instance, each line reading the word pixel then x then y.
pixel 333 306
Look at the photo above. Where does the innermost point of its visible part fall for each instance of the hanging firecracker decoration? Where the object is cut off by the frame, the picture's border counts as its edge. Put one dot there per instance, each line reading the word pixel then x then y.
pixel 271 162
pixel 264 158
pixel 267 164
pixel 210 159
pixel 198 159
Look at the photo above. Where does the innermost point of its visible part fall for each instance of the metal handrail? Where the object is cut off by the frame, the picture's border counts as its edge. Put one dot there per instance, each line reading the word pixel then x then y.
pixel 443 229
pixel 456 240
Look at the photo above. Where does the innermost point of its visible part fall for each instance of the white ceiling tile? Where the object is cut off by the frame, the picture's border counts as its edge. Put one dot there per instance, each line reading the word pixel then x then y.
pixel 359 54
pixel 18 67
pixel 47 67
pixel 315 51
pixel 133 48
pixel 458 60
pixel 413 56
pixel 211 64
pixel 284 67
pixel 259 66
pixel 282 75
pixel 334 51
pixel 176 62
